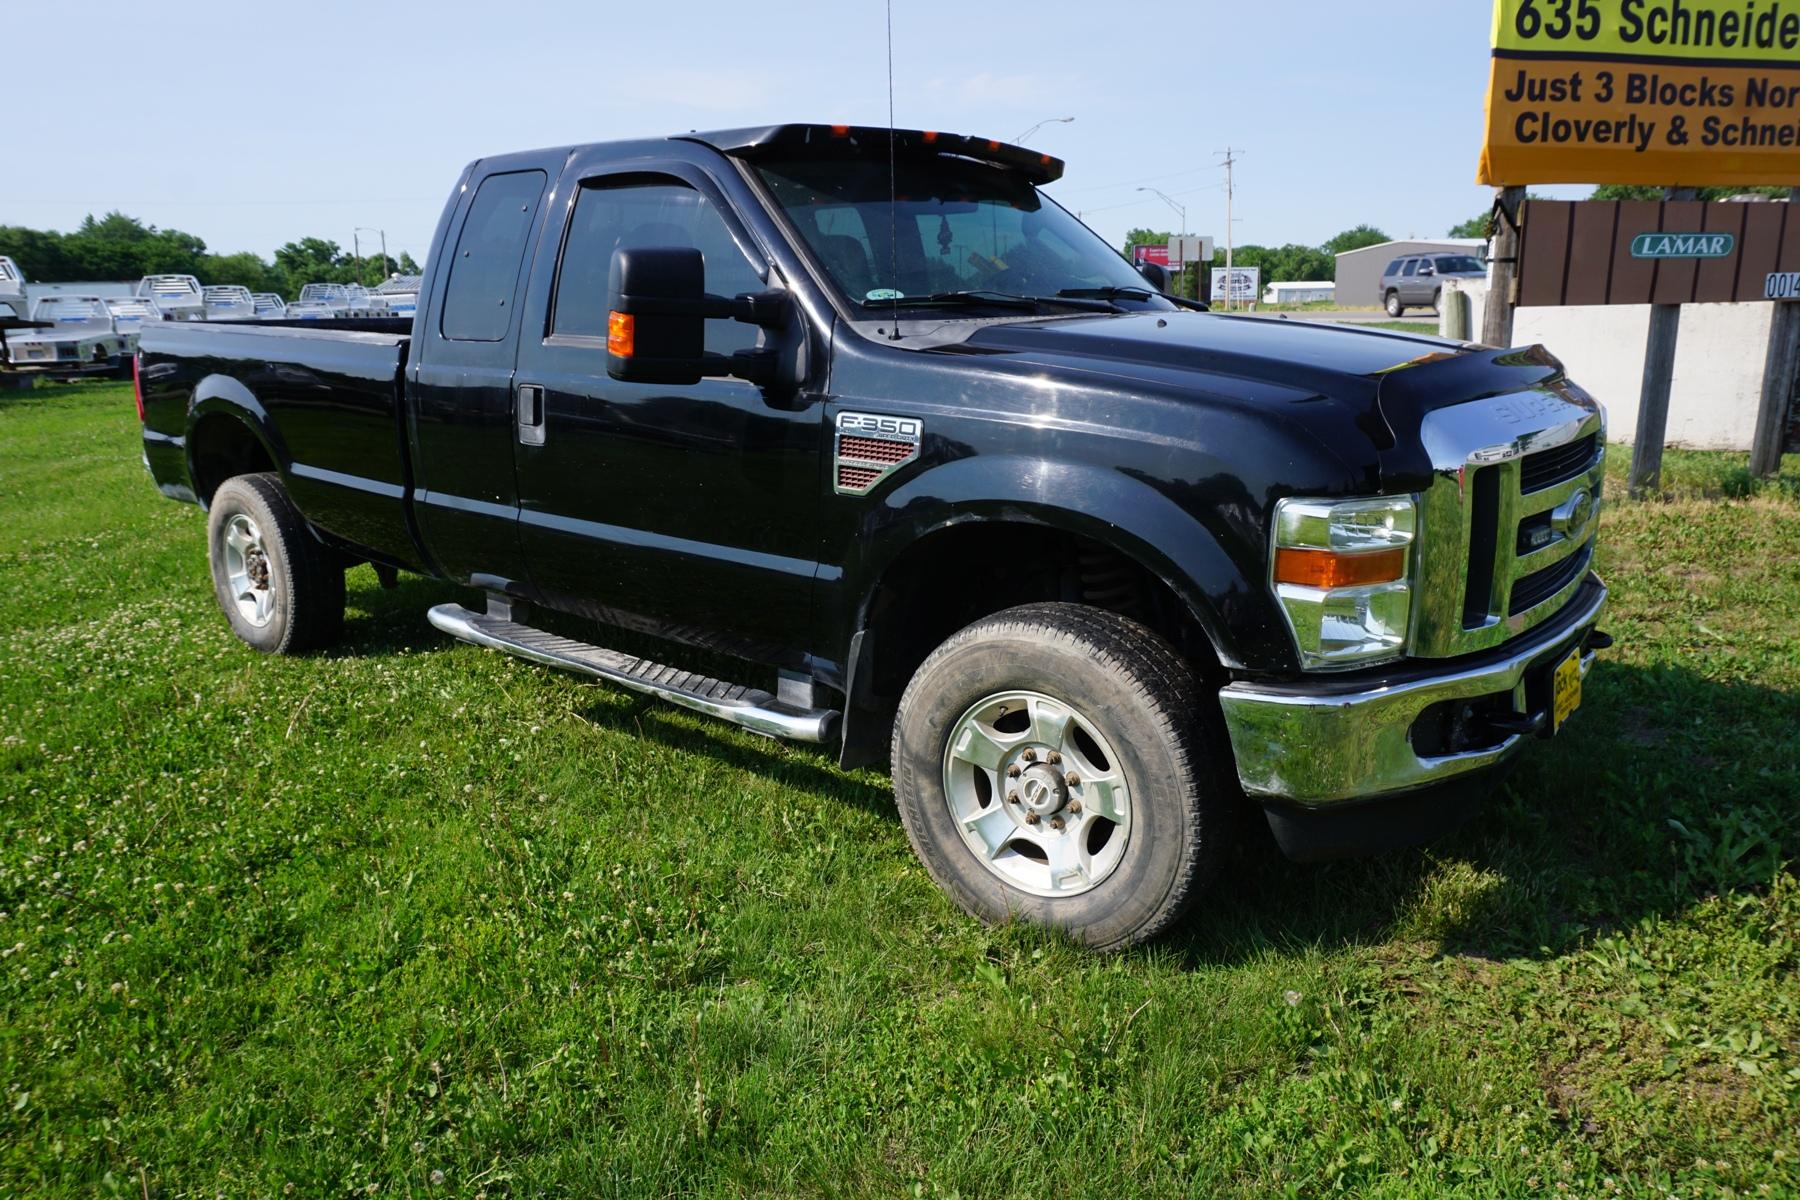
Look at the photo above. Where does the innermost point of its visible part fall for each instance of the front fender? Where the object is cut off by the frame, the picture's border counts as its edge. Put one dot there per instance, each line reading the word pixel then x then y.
pixel 1225 592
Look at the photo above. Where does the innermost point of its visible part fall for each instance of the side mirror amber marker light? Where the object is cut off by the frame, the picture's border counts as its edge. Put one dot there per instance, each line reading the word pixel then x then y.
pixel 621 333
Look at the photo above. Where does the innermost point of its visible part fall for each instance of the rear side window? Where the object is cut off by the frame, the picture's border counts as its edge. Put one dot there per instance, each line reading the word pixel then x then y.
pixel 1393 268
pixel 484 270
pixel 657 212
pixel 1412 267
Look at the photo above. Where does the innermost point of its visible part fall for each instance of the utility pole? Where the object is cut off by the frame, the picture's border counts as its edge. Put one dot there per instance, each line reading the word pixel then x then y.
pixel 1180 212
pixel 356 251
pixel 1230 161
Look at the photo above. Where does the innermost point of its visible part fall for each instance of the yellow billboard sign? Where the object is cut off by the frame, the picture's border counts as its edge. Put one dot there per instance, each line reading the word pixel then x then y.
pixel 1671 92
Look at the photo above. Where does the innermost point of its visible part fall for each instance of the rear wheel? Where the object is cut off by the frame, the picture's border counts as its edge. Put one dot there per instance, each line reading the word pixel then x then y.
pixel 1394 307
pixel 281 589
pixel 1051 765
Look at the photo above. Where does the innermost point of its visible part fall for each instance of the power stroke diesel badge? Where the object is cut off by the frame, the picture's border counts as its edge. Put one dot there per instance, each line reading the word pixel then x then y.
pixel 870 447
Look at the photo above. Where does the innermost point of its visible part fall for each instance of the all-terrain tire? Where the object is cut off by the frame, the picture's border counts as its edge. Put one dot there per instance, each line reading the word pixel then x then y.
pixel 300 603
pixel 1148 705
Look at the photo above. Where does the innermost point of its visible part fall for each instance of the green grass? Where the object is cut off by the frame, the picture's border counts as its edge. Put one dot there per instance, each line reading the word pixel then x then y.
pixel 415 919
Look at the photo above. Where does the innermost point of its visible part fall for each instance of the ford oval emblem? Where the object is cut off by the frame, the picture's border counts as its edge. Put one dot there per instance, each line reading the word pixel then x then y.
pixel 1571 516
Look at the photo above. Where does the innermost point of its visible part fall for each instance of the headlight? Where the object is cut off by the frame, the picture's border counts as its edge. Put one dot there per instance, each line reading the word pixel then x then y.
pixel 1342 570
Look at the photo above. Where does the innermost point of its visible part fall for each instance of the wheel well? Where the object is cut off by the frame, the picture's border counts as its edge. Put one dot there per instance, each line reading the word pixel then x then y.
pixel 220 447
pixel 958 575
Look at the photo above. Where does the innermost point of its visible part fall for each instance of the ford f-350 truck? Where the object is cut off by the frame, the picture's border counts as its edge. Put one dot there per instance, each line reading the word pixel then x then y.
pixel 866 413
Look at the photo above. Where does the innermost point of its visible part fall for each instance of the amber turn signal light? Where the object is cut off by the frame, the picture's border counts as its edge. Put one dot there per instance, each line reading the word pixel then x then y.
pixel 1335 569
pixel 621 333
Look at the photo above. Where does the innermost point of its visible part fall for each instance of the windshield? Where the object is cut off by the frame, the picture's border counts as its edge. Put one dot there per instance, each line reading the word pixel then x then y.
pixel 1460 265
pixel 951 226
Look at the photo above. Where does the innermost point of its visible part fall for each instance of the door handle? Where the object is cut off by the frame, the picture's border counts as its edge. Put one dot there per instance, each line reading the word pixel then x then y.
pixel 529 412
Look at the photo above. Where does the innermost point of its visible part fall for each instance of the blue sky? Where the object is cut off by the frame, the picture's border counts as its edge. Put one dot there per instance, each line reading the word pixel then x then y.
pixel 251 124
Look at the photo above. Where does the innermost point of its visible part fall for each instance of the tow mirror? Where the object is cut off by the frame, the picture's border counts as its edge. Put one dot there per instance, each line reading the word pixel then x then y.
pixel 657 309
pixel 1155 274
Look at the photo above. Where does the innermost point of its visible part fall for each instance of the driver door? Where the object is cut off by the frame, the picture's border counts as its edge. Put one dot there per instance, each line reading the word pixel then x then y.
pixel 680 508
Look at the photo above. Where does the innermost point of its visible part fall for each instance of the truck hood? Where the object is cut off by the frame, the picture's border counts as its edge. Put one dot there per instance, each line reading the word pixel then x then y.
pixel 1382 382
pixel 1311 356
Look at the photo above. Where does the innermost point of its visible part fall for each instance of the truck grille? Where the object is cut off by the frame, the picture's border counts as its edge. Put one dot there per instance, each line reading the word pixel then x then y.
pixel 1507 526
pixel 1547 468
pixel 1533 589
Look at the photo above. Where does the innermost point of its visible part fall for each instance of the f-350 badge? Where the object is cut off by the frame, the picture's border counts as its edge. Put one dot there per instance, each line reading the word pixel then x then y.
pixel 870 447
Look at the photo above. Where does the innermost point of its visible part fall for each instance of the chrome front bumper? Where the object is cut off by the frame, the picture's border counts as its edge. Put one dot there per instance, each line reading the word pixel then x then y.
pixel 1315 743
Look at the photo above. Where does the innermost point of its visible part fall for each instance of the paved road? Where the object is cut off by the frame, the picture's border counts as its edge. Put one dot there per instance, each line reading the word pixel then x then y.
pixel 1363 318
pixel 1426 325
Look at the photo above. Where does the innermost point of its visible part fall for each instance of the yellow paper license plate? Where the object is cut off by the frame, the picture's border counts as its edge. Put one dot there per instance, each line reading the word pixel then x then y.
pixel 1565 689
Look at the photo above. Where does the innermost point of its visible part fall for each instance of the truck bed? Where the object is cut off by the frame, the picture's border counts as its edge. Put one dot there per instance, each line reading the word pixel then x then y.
pixel 323 399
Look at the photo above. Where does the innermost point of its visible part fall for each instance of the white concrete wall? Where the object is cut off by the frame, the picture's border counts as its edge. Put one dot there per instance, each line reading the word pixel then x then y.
pixel 1719 360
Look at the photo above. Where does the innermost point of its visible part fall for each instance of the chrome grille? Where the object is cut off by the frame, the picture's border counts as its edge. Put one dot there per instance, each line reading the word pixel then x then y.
pixel 1547 468
pixel 1507 525
pixel 1533 589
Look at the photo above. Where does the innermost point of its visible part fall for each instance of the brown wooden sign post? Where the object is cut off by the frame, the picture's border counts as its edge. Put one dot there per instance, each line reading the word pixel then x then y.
pixel 1781 373
pixel 1659 377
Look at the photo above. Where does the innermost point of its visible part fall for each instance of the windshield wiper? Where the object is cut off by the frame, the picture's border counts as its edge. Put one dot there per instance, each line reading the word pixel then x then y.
pixel 997 300
pixel 1108 293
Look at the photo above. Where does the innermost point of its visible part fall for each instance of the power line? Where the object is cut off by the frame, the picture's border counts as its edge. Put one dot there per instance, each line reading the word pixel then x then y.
pixel 1103 187
pixel 1211 187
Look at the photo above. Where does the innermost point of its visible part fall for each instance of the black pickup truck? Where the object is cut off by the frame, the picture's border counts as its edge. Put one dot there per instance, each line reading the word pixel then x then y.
pixel 867 414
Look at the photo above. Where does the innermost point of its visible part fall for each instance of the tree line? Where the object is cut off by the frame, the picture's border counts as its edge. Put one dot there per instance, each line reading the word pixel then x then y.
pixel 123 248
pixel 1477 226
pixel 1278 263
pixel 1319 263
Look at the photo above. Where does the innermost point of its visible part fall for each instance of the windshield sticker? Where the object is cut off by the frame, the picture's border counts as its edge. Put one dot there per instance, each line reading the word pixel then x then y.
pixel 883 294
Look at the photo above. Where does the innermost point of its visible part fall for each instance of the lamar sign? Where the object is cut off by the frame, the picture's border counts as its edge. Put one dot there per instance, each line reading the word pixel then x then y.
pixel 1654 251
pixel 1682 245
pixel 1662 92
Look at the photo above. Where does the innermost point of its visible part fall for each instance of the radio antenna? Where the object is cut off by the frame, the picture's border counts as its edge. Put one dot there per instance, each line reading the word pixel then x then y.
pixel 893 186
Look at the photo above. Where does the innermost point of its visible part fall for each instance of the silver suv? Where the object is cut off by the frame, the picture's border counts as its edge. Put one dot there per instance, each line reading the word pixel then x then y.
pixel 1416 280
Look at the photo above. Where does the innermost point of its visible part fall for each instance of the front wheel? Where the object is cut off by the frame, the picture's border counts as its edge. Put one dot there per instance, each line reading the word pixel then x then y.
pixel 1394 307
pixel 1051 765
pixel 282 591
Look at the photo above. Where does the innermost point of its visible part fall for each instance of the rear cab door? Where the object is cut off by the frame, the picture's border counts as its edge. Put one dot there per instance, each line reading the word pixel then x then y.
pixel 460 379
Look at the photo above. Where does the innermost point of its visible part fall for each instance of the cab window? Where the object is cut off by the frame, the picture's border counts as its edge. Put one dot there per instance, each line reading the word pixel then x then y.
pixel 484 268
pixel 657 212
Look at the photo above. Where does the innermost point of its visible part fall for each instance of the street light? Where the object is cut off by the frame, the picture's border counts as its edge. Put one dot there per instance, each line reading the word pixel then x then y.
pixel 356 248
pixel 1020 140
pixel 1166 199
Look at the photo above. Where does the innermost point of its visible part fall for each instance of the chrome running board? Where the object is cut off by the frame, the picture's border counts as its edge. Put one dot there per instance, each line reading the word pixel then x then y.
pixel 752 708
